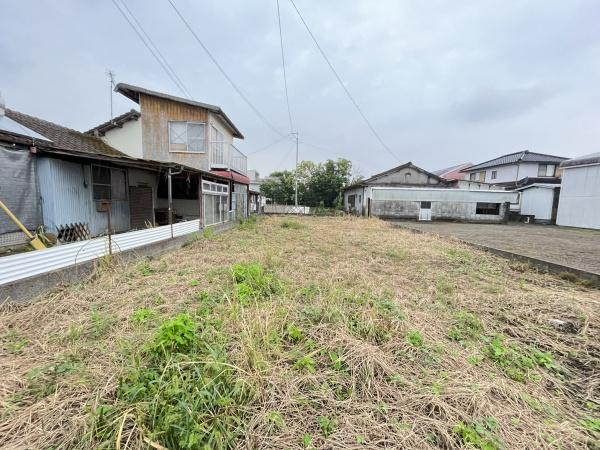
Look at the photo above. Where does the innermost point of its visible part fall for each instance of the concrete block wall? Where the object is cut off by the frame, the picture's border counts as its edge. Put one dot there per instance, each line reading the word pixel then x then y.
pixel 459 211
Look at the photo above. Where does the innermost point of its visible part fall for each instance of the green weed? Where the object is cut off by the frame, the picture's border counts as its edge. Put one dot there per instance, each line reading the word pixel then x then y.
pixel 294 333
pixel 467 327
pixel 252 282
pixel 146 269
pixel 275 420
pixel 43 381
pixel 415 338
pixel 591 424
pixel 248 224
pixel 398 254
pixel 291 224
pixel 15 342
pixel 307 441
pixel 327 425
pixel 480 434
pixel 516 362
pixel 208 233
pixel 143 315
pixel 182 392
pixel 306 363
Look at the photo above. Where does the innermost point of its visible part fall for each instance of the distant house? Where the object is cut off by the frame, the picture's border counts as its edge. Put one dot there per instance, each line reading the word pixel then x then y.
pixel 178 130
pixel 579 204
pixel 508 169
pixel 453 172
pixel 410 192
pixel 61 179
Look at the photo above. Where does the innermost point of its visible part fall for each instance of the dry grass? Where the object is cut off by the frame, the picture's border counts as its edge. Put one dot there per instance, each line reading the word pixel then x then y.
pixel 373 307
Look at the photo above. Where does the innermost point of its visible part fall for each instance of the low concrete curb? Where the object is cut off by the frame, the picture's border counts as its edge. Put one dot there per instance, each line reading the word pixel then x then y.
pixel 540 264
pixel 28 288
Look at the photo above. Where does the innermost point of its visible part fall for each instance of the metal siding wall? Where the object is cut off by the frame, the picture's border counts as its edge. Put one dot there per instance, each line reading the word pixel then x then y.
pixel 25 265
pixel 537 202
pixel 66 191
pixel 19 189
pixel 579 204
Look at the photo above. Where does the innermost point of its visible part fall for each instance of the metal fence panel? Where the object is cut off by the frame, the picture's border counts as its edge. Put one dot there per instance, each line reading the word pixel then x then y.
pixel 25 265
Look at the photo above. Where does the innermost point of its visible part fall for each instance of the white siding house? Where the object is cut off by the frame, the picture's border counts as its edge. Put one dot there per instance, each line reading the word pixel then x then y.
pixel 514 167
pixel 579 204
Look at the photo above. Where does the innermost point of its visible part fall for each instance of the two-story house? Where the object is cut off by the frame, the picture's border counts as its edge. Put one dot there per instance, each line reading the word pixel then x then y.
pixel 509 169
pixel 182 131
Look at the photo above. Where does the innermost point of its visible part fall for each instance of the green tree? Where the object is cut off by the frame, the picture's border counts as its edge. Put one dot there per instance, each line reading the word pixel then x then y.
pixel 319 184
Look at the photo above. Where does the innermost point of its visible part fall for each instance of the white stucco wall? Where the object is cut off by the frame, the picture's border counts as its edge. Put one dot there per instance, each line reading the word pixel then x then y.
pixel 579 203
pixel 537 201
pixel 128 139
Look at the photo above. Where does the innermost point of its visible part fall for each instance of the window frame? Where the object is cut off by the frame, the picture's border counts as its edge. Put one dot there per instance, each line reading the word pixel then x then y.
pixel 110 183
pixel 488 209
pixel 187 141
pixel 473 176
pixel 425 204
pixel 494 174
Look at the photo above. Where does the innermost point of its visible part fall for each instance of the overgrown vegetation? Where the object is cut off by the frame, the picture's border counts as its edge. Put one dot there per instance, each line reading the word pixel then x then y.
pixel 346 334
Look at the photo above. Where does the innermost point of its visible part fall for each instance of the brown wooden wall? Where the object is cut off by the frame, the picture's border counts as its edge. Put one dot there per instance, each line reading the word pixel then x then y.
pixel 156 113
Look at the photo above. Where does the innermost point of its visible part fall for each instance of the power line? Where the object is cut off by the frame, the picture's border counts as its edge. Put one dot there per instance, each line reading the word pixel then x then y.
pixel 287 97
pixel 216 63
pixel 181 88
pixel 266 147
pixel 157 49
pixel 339 79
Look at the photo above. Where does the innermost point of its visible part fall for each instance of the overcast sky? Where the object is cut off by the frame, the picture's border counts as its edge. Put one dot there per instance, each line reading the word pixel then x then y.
pixel 443 82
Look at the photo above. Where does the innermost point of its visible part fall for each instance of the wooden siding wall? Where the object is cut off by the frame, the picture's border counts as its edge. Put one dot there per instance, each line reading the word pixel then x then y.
pixel 156 114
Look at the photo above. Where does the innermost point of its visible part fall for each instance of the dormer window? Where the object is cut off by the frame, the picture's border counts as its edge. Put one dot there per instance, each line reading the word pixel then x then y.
pixel 186 137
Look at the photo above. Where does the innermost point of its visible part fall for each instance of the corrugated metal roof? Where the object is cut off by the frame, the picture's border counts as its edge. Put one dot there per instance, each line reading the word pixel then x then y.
pixel 592 158
pixel 511 158
pixel 133 92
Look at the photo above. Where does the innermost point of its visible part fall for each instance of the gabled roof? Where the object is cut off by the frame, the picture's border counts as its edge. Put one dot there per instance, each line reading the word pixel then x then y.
pixel 442 172
pixel 133 93
pixel 400 167
pixel 65 138
pixel 116 122
pixel 592 158
pixel 512 158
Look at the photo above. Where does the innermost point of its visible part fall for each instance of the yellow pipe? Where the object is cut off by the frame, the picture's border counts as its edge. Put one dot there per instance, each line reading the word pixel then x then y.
pixel 15 220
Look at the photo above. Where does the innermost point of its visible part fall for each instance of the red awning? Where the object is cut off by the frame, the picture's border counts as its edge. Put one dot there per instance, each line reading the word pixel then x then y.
pixel 232 175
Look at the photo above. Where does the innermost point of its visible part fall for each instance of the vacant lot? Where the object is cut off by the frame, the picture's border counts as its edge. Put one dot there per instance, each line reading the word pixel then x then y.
pixel 306 333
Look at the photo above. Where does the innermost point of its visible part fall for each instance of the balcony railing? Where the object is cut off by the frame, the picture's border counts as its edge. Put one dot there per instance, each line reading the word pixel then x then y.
pixel 226 156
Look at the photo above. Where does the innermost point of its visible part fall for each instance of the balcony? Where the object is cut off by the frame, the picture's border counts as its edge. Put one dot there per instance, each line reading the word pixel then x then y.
pixel 226 156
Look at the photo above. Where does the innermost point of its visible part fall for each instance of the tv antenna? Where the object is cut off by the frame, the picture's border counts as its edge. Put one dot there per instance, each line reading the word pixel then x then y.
pixel 111 76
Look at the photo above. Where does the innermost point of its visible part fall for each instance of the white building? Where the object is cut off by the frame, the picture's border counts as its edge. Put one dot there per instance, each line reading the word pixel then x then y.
pixel 539 202
pixel 579 204
pixel 509 169
pixel 409 192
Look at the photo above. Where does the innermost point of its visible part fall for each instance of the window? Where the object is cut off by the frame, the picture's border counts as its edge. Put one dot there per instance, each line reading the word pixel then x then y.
pixel 546 170
pixel 482 176
pixel 472 176
pixel 494 174
pixel 351 201
pixel 490 209
pixel 215 201
pixel 186 137
pixel 109 184
pixel 359 199
pixel 425 205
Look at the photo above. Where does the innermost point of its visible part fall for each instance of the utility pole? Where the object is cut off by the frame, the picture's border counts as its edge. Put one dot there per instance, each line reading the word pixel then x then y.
pixel 111 76
pixel 296 173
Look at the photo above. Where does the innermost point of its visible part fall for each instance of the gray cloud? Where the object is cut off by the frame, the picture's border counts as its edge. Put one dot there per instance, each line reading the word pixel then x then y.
pixel 443 82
